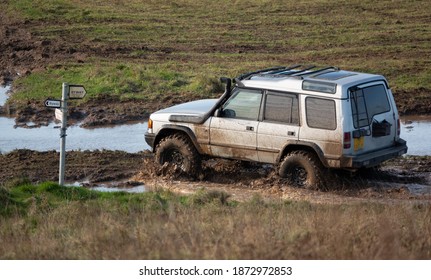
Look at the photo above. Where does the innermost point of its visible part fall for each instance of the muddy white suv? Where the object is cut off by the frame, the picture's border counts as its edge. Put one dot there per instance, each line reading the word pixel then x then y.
pixel 301 118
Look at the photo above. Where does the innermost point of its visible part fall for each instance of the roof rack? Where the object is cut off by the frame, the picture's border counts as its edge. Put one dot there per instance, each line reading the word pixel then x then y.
pixel 321 70
pixel 302 70
pixel 246 75
pixel 285 71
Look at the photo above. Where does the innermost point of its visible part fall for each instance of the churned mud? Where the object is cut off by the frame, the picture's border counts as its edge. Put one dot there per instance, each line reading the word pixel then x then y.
pixel 404 179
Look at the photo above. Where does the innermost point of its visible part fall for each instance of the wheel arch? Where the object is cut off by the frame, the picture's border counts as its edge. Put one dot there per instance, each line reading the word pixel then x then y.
pixel 167 130
pixel 304 146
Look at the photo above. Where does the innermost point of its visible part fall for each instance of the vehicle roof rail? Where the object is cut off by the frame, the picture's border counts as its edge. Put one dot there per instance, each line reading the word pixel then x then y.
pixel 320 70
pixel 246 75
pixel 291 67
pixel 300 71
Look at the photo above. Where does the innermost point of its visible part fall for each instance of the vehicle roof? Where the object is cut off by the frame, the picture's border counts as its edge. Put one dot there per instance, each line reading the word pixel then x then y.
pixel 306 79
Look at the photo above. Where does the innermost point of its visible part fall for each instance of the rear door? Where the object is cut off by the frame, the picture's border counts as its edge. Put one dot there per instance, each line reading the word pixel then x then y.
pixel 373 117
pixel 233 133
pixel 279 125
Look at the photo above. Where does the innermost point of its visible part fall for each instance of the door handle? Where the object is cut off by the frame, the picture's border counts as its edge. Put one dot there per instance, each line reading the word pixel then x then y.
pixel 291 133
pixel 250 128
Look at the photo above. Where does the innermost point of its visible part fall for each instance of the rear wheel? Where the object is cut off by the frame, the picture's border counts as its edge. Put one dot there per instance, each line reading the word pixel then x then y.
pixel 177 152
pixel 302 169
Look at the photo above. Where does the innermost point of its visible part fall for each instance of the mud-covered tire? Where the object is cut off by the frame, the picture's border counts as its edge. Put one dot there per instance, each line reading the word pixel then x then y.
pixel 178 152
pixel 302 169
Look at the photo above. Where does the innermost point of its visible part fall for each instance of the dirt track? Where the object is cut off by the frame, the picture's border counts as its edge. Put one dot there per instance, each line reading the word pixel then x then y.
pixel 396 182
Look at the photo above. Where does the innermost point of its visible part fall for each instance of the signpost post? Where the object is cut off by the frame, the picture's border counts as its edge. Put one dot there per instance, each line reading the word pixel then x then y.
pixel 64 97
pixel 68 92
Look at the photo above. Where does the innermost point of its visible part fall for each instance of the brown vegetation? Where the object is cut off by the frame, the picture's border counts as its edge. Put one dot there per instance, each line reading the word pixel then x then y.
pixel 165 229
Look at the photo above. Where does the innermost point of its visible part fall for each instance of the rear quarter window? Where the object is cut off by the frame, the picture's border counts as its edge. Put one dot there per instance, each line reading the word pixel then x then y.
pixel 320 113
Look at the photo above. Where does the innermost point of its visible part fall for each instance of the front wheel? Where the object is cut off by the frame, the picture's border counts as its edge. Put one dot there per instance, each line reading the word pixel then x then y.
pixel 178 152
pixel 302 169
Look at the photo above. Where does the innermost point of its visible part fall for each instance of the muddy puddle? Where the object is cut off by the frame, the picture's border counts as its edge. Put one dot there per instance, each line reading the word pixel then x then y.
pixel 3 95
pixel 110 187
pixel 128 137
pixel 416 130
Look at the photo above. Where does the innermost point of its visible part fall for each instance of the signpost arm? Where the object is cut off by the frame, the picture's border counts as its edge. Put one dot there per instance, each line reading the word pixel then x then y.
pixel 64 98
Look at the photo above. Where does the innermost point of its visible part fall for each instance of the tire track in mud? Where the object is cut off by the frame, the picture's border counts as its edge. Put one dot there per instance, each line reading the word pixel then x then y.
pixel 400 180
pixel 393 183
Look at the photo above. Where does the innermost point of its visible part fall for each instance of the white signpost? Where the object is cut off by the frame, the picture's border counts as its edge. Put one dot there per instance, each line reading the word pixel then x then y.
pixel 52 103
pixel 59 114
pixel 76 92
pixel 68 92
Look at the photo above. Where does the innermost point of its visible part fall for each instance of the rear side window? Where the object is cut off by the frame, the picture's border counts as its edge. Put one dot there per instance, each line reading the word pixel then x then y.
pixel 320 113
pixel 368 102
pixel 281 107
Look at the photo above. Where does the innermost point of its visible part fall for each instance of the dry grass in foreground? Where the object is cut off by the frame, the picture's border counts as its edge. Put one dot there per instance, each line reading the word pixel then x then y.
pixel 51 222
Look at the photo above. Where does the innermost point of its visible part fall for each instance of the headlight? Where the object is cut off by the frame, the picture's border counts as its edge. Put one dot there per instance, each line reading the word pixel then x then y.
pixel 150 124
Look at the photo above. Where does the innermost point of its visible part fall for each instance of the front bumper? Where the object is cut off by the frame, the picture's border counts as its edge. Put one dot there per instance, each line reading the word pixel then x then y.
pixel 150 138
pixel 376 157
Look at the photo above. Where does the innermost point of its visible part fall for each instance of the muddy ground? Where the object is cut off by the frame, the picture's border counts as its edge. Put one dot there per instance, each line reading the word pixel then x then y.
pixel 404 179
pixel 22 53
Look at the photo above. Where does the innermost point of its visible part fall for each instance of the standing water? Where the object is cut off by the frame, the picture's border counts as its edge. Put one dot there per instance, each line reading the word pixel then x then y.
pixel 416 131
pixel 3 95
pixel 128 137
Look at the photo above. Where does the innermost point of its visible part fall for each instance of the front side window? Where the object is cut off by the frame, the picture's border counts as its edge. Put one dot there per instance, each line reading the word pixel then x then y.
pixel 244 104
pixel 368 102
pixel 320 113
pixel 281 107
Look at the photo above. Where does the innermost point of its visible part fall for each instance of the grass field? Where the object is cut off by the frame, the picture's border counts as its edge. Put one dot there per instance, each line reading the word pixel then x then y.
pixel 145 49
pixel 47 221
pixel 151 50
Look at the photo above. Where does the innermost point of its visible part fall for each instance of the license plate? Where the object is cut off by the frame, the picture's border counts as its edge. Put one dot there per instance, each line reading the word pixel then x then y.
pixel 358 143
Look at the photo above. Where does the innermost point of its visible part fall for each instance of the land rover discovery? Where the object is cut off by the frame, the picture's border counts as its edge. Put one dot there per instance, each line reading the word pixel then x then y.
pixel 303 119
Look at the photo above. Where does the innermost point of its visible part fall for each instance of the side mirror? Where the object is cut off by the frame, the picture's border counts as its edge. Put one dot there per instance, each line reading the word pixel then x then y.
pixel 217 113
pixel 229 113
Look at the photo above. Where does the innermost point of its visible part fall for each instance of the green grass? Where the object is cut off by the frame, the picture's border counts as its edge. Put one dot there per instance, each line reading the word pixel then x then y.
pixel 125 80
pixel 46 221
pixel 167 45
